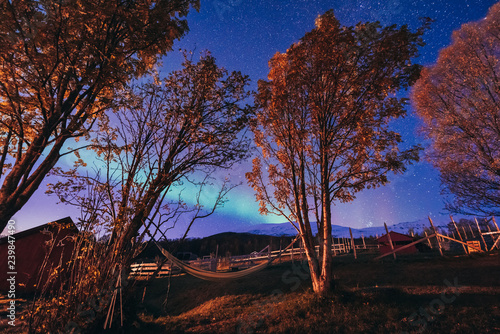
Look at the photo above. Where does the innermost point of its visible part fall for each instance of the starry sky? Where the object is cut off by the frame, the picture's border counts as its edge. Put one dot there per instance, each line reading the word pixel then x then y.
pixel 244 35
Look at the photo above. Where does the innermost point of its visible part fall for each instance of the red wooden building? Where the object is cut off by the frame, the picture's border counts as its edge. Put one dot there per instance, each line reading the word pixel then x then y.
pixel 38 251
pixel 398 240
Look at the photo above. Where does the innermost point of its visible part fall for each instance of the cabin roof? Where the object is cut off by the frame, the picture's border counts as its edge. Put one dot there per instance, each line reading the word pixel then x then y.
pixel 66 222
pixel 395 236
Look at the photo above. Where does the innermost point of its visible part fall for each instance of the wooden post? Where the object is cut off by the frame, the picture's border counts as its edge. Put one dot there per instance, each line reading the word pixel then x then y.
pixel 437 238
pixel 143 294
pixel 216 257
pixel 460 242
pixel 495 244
pixel 466 250
pixel 428 241
pixel 362 237
pixel 292 253
pixel 481 234
pixel 352 243
pixel 498 230
pixel 491 235
pixel 465 233
pixel 495 222
pixel 390 240
pixel 471 232
pixel 280 251
pixel 334 248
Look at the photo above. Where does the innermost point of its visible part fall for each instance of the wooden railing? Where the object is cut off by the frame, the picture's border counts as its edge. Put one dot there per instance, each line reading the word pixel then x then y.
pixel 238 261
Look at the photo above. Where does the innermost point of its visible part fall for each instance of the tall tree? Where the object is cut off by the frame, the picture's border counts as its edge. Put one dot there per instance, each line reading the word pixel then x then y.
pixel 167 132
pixel 458 99
pixel 60 64
pixel 323 125
pixel 164 135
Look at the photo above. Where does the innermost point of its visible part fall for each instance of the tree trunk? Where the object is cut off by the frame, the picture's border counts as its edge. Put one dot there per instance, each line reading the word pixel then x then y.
pixel 320 271
pixel 312 260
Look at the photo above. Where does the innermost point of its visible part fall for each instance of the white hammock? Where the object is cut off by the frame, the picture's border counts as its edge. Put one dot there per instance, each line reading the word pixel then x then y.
pixel 214 276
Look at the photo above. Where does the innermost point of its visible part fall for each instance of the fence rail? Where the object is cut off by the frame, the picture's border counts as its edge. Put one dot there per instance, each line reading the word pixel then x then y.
pixel 339 246
pixel 239 261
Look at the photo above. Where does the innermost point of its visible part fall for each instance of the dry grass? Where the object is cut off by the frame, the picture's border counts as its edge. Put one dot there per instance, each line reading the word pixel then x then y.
pixel 370 297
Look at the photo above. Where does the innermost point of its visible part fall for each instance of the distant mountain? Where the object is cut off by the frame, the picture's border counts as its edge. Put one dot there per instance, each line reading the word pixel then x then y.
pixel 286 229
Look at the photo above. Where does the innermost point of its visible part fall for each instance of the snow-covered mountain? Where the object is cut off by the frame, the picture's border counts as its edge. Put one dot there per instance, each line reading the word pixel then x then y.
pixel 343 231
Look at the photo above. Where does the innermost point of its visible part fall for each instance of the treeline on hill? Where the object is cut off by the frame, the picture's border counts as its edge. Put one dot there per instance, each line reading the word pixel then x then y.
pixel 225 244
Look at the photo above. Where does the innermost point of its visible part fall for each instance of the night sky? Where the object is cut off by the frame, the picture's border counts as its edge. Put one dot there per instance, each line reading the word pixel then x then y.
pixel 244 35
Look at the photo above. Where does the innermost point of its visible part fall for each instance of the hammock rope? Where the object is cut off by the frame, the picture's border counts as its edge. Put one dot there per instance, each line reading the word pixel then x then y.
pixel 214 276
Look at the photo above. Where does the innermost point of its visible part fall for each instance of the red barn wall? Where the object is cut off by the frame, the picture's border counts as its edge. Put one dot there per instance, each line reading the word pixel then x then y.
pixel 398 240
pixel 31 250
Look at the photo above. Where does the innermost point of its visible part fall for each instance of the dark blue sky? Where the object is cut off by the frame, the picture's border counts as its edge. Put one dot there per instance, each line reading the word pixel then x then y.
pixel 244 35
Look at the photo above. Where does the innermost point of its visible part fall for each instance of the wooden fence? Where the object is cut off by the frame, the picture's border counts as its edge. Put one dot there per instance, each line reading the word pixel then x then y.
pixel 443 242
pixel 339 246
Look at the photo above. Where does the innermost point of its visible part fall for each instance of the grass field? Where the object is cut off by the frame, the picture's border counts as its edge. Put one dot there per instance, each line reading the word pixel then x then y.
pixel 420 293
pixel 415 294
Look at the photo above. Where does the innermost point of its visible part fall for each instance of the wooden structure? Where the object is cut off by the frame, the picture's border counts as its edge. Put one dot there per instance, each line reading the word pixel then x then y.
pixel 398 240
pixel 146 267
pixel 38 251
pixel 468 246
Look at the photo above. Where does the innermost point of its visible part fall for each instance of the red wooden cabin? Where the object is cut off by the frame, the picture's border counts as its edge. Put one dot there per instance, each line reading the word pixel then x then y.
pixel 47 246
pixel 398 240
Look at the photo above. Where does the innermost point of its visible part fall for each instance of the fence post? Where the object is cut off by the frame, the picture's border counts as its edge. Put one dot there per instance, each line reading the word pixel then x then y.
pixel 437 237
pixel 498 230
pixel 465 233
pixel 362 237
pixel 458 232
pixel 280 251
pixel 471 232
pixel 481 234
pixel 428 241
pixel 353 244
pixel 334 248
pixel 390 240
pixel 495 222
